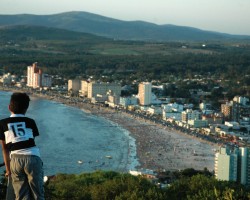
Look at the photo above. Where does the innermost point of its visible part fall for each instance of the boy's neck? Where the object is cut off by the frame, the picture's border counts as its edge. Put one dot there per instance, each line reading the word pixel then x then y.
pixel 14 114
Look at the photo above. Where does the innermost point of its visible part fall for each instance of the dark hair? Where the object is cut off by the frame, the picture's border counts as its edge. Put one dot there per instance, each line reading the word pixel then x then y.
pixel 19 103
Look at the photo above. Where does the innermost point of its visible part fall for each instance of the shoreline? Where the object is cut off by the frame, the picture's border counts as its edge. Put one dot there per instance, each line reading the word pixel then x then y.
pixel 157 147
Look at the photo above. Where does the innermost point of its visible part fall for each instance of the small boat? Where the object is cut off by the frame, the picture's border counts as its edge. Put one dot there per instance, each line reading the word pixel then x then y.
pixel 80 161
pixel 109 157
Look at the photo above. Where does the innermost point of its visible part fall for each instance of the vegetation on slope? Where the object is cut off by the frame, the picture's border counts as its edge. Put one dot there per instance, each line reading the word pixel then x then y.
pixel 113 185
pixel 118 29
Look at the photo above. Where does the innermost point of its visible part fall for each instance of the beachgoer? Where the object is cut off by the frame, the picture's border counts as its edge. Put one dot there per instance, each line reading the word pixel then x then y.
pixel 21 155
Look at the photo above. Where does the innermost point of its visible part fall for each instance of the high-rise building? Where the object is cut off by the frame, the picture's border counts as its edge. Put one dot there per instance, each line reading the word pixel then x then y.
pixel 244 166
pixel 31 70
pixel 36 78
pixel 145 93
pixel 74 85
pixel 226 165
pixel 231 111
pixel 233 165
pixel 84 88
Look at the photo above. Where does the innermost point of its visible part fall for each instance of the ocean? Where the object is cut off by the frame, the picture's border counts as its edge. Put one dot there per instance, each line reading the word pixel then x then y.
pixel 72 141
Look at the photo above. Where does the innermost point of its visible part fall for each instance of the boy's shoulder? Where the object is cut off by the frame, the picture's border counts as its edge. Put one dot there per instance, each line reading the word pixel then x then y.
pixel 5 120
pixel 16 119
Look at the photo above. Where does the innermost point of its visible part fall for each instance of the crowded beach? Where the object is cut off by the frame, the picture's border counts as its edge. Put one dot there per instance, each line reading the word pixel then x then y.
pixel 158 147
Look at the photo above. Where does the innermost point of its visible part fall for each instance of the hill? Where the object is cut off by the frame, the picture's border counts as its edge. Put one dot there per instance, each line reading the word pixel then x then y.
pixel 28 32
pixel 116 29
pixel 39 39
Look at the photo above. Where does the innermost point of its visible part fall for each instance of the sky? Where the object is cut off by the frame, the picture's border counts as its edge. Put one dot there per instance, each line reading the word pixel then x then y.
pixel 226 16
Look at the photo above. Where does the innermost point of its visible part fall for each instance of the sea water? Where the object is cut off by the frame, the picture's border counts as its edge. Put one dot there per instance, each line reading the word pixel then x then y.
pixel 73 141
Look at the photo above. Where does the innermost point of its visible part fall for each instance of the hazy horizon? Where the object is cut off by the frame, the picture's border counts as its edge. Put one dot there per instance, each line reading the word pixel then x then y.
pixel 226 16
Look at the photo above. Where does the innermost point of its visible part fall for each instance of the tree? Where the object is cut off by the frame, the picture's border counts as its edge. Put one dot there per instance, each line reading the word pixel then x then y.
pixel 104 185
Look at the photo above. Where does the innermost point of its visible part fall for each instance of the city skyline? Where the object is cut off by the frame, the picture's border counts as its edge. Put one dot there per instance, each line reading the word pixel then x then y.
pixel 225 16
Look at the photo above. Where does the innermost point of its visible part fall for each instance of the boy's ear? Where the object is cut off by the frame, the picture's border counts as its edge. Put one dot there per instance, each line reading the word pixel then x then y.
pixel 9 108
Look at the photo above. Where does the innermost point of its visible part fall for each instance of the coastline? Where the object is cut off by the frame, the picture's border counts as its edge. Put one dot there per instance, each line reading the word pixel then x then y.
pixel 157 147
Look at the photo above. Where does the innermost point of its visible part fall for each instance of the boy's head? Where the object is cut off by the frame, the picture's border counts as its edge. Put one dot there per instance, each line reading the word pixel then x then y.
pixel 19 103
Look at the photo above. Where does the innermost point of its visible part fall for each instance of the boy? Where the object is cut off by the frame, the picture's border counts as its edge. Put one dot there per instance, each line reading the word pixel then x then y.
pixel 21 155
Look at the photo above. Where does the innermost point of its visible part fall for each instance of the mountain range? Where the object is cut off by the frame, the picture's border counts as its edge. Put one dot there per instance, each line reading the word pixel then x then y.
pixel 116 29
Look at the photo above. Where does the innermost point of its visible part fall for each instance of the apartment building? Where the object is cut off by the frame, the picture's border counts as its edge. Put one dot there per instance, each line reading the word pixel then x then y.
pixel 145 93
pixel 216 118
pixel 233 164
pixel 241 100
pixel 231 111
pixel 173 107
pixel 74 85
pixel 102 89
pixel 84 88
pixel 171 115
pixel 190 114
pixel 197 123
pixel 126 101
pixel 36 78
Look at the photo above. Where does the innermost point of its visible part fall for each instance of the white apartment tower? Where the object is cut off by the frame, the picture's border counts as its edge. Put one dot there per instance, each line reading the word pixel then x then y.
pixel 35 77
pixel 226 164
pixel 84 88
pixel 145 93
pixel 233 165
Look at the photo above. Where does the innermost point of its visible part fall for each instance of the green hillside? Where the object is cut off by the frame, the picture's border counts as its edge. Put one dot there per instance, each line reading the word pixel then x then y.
pixel 117 29
pixel 116 186
pixel 21 33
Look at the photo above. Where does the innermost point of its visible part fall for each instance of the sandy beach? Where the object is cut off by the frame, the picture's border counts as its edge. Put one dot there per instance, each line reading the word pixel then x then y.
pixel 158 147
